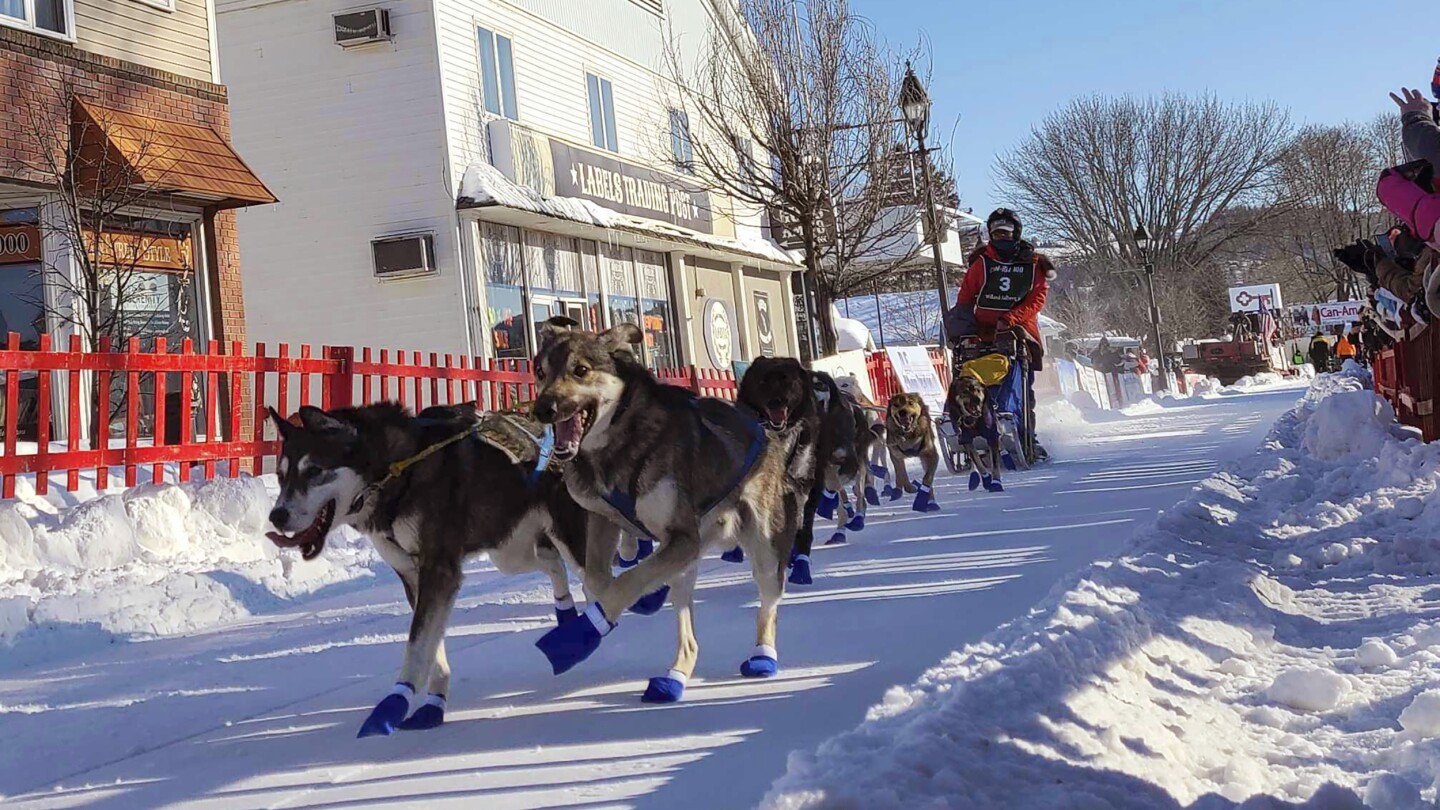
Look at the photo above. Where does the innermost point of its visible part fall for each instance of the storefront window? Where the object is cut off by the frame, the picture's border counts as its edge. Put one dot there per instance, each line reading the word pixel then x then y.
pixel 504 291
pixel 619 267
pixel 655 309
pixel 590 274
pixel 22 308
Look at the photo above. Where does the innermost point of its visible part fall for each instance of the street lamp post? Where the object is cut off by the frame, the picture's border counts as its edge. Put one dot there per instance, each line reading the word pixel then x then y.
pixel 915 107
pixel 1142 241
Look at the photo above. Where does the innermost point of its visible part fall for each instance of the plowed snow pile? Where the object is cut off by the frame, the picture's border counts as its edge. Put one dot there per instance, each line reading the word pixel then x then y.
pixel 1275 635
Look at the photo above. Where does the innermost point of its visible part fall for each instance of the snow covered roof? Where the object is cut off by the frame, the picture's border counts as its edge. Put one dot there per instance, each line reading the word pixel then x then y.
pixel 485 186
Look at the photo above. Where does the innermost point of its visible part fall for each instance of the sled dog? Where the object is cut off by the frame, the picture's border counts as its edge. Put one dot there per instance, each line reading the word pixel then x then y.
pixel 977 428
pixel 429 491
pixel 909 433
pixel 659 462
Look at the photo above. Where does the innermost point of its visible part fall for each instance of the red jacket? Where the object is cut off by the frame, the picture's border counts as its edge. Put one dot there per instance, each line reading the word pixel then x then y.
pixel 992 283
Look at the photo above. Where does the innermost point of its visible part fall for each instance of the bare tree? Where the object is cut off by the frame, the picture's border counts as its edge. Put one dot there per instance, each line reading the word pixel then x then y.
pixel 106 171
pixel 1328 187
pixel 911 318
pixel 1096 168
pixel 791 104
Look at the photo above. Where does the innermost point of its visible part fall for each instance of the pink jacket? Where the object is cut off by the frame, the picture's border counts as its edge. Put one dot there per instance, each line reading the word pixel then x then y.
pixel 1416 207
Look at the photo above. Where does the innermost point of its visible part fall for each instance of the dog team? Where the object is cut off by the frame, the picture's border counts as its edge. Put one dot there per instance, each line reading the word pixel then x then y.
pixel 608 456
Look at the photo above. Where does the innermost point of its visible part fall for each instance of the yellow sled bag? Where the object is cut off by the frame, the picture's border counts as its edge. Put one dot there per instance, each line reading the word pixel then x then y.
pixel 991 369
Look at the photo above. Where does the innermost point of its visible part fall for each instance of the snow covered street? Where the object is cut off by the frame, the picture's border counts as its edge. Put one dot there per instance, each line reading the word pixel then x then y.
pixel 262 712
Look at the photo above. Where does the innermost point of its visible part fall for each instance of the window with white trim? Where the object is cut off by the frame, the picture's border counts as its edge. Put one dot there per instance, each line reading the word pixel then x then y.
pixel 163 5
pixel 682 149
pixel 497 73
pixel 53 16
pixel 602 112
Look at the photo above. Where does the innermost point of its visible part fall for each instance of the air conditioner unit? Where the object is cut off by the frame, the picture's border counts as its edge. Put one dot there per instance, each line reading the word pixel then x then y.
pixel 411 254
pixel 362 27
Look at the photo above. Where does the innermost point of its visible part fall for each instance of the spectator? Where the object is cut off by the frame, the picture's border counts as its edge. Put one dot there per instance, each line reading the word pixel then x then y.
pixel 1299 358
pixel 1319 353
pixel 1420 132
pixel 1344 349
pixel 1129 363
pixel 1143 367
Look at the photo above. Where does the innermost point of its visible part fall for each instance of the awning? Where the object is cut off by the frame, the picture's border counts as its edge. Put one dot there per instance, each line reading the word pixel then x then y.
pixel 161 157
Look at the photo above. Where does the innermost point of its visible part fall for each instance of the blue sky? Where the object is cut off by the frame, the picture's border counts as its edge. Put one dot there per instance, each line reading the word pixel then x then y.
pixel 1000 67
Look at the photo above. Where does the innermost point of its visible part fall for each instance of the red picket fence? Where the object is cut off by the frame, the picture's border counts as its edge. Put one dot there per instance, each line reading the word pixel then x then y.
pixel 221 428
pixel 882 375
pixel 1405 374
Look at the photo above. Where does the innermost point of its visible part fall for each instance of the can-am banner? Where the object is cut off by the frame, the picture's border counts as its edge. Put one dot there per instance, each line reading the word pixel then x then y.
pixel 1335 313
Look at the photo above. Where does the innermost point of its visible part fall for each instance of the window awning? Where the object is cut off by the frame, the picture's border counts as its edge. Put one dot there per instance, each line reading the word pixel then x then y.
pixel 162 158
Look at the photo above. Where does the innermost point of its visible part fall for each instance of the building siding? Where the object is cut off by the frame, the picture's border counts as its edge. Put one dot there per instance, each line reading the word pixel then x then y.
pixel 352 142
pixel 177 41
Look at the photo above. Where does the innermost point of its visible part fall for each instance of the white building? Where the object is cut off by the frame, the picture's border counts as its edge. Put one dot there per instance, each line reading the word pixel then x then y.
pixel 480 166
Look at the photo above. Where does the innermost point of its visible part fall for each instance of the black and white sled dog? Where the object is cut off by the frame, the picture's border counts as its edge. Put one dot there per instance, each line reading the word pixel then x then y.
pixel 847 436
pixel 429 493
pixel 661 463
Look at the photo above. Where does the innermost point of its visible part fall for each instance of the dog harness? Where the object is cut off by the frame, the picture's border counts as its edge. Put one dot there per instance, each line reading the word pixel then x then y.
pixel 505 432
pixel 624 502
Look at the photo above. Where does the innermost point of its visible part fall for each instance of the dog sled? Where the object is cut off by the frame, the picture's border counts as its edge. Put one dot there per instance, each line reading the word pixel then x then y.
pixel 1004 367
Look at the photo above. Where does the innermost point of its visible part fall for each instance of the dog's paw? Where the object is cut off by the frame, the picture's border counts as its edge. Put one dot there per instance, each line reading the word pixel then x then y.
pixel 925 501
pixel 573 642
pixel 872 497
pixel 879 471
pixel 430 715
pixel 800 571
pixel 974 480
pixel 644 547
pixel 856 523
pixel 836 539
pixel 565 614
pixel 765 663
pixel 828 502
pixel 734 555
pixel 895 493
pixel 389 713
pixel 664 689
pixel 1009 461
pixel 651 603
pixel 994 485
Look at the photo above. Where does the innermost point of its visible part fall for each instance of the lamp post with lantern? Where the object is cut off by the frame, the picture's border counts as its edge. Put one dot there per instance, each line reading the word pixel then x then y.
pixel 915 107
pixel 1142 241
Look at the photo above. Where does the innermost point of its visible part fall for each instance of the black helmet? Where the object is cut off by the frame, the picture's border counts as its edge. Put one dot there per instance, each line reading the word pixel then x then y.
pixel 1005 216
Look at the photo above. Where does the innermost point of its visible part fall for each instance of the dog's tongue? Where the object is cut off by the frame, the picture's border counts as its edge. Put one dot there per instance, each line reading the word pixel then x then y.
pixel 777 415
pixel 568 432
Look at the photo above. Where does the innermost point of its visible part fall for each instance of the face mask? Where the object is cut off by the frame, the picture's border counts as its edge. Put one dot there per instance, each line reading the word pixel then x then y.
pixel 1005 246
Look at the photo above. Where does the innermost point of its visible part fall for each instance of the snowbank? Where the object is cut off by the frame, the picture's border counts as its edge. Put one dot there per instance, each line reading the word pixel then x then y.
pixel 151 561
pixel 1275 634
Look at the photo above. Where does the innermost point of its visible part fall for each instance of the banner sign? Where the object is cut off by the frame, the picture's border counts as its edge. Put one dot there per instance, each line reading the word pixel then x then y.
pixel 1335 313
pixel 1255 297
pixel 917 375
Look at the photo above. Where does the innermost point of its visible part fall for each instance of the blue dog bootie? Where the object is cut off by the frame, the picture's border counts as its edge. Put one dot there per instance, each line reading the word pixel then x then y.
pixel 895 493
pixel 836 539
pixel 565 609
pixel 431 714
pixel 651 603
pixel 924 500
pixel 879 471
pixel 644 547
pixel 1009 462
pixel 856 522
pixel 828 502
pixel 666 688
pixel 994 485
pixel 975 480
pixel 800 571
pixel 872 497
pixel 389 713
pixel 573 642
pixel 734 555
pixel 763 663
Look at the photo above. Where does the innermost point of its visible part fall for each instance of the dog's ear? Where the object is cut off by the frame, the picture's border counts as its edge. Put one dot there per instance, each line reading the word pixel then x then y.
pixel 621 337
pixel 285 426
pixel 553 328
pixel 318 421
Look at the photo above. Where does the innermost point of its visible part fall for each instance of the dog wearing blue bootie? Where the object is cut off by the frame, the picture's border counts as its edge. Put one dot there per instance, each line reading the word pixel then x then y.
pixel 692 473
pixel 910 433
pixel 398 478
pixel 970 408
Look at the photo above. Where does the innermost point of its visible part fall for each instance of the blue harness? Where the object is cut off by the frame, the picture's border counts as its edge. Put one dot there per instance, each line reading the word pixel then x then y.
pixel 624 502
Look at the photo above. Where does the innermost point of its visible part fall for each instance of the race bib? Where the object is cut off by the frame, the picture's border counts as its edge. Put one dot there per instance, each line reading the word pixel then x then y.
pixel 1006 285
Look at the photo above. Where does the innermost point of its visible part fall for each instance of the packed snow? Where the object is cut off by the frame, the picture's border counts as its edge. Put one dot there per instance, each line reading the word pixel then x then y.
pixel 1274 637
pixel 154 560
